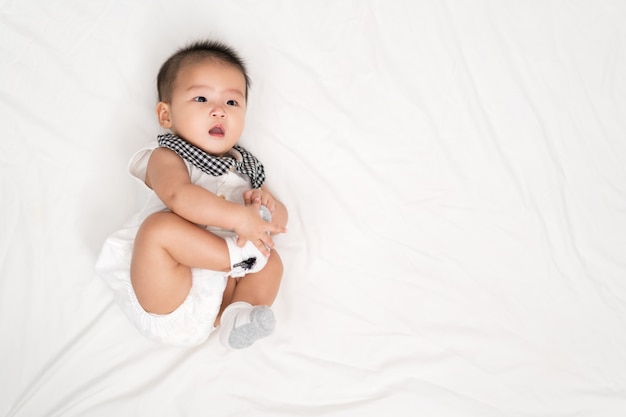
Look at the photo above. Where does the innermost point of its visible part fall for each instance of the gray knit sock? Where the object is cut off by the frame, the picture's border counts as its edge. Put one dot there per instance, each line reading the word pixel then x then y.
pixel 243 324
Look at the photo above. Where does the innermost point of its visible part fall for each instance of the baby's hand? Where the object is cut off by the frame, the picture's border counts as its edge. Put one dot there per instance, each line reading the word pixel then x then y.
pixel 256 230
pixel 259 196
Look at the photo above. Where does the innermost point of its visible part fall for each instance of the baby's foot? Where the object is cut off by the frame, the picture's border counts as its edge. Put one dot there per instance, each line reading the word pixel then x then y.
pixel 243 324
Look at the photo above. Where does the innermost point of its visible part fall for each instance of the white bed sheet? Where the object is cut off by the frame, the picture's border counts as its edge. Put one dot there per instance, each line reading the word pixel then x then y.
pixel 455 176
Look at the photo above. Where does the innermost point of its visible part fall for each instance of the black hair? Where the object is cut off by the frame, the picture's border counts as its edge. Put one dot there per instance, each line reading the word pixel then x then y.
pixel 193 52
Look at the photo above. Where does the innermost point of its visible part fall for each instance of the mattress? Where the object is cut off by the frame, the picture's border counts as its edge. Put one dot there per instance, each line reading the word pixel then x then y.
pixel 454 173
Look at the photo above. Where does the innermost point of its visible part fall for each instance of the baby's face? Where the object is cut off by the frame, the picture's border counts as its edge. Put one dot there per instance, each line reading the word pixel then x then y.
pixel 208 105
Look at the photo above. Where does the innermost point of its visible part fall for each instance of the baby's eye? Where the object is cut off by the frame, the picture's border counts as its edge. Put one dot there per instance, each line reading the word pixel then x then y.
pixel 232 103
pixel 200 99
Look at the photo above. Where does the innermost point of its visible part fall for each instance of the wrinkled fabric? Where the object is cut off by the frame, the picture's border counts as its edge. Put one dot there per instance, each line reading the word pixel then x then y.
pixel 454 173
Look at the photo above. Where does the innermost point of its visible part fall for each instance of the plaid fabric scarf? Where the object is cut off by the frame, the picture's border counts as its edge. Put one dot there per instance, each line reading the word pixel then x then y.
pixel 214 165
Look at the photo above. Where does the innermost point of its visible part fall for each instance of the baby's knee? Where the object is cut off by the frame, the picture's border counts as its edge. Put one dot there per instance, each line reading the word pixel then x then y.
pixel 160 221
pixel 159 218
pixel 275 262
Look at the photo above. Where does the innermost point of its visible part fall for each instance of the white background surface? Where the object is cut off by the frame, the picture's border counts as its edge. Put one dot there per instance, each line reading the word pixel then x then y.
pixel 455 176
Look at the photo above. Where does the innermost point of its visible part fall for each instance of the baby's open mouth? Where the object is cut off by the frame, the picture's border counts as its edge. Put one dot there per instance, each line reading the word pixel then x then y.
pixel 216 131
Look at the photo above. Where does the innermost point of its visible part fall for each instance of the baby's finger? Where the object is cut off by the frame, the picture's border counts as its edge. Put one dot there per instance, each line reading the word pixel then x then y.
pixel 274 228
pixel 265 245
pixel 269 203
pixel 246 197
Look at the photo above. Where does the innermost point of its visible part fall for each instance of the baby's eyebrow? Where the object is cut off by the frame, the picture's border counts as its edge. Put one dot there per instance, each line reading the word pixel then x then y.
pixel 235 91
pixel 199 87
pixel 208 87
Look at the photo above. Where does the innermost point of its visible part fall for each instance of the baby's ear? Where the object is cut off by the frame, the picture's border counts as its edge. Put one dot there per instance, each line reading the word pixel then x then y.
pixel 163 114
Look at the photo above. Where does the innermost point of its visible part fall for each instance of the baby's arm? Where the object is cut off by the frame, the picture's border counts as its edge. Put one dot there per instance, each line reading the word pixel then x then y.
pixel 167 175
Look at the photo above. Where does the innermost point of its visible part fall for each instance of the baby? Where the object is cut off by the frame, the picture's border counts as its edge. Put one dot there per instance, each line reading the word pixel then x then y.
pixel 200 253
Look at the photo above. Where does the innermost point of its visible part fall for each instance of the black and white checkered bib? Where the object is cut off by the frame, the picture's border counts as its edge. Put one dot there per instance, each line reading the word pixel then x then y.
pixel 216 166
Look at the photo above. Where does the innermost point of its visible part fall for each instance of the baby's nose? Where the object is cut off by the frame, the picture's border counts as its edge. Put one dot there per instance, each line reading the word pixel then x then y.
pixel 218 112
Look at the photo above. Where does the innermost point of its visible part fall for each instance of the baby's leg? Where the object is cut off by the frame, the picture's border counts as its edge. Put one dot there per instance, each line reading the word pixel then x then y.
pixel 261 288
pixel 166 247
pixel 247 316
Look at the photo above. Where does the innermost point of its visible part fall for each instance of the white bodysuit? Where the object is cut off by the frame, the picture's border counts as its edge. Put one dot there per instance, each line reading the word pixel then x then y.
pixel 192 322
